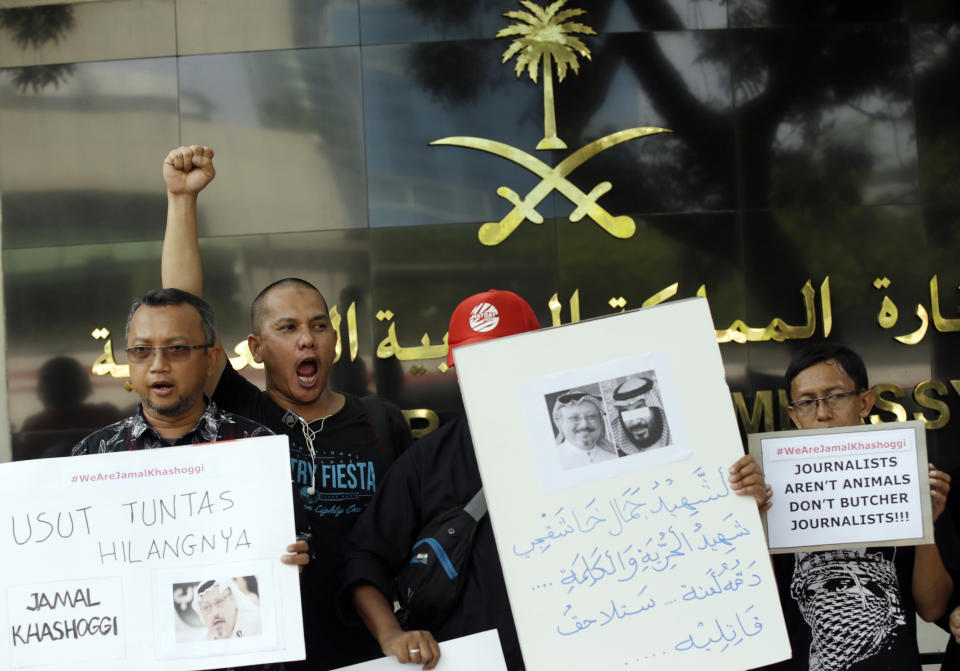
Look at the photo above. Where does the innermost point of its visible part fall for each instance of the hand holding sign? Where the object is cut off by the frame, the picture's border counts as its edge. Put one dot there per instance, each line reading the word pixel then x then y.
pixel 151 559
pixel 746 479
pixel 939 490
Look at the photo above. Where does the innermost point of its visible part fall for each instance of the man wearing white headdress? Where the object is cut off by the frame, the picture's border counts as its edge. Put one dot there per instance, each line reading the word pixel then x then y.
pixel 226 609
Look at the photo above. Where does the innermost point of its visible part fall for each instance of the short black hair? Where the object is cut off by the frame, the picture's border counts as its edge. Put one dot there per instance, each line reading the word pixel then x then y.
pixel 811 355
pixel 158 298
pixel 256 308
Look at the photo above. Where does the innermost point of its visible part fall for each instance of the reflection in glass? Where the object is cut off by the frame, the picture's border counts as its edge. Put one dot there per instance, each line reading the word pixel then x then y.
pixel 63 386
pixel 216 26
pixel 286 127
pixel 76 164
pixel 826 117
pixel 936 60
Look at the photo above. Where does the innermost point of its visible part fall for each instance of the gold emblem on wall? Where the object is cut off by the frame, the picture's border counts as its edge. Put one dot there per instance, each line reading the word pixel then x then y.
pixel 544 36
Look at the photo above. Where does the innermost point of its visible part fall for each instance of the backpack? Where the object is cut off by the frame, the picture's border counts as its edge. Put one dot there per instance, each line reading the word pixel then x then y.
pixel 430 585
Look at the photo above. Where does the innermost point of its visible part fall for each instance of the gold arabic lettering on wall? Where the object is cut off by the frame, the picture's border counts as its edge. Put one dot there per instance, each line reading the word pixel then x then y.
pixel 739 331
pixel 889 313
pixel 760 417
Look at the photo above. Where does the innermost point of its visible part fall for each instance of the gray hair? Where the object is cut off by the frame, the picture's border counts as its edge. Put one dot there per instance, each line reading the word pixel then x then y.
pixel 158 298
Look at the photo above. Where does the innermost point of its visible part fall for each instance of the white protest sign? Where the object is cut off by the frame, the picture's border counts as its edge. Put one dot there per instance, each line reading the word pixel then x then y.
pixel 477 652
pixel 150 559
pixel 635 554
pixel 846 486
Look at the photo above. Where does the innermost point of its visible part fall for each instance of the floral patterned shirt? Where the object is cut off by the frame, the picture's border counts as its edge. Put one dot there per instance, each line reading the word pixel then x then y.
pixel 134 433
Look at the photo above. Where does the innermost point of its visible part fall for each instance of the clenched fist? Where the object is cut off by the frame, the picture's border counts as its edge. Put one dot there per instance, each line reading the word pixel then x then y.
pixel 187 170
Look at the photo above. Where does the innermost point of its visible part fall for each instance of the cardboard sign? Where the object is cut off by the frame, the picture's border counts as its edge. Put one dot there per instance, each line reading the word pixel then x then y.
pixel 604 448
pixel 846 487
pixel 151 559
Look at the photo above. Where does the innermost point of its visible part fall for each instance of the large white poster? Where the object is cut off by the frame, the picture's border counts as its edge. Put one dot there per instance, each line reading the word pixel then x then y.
pixel 604 448
pixel 156 559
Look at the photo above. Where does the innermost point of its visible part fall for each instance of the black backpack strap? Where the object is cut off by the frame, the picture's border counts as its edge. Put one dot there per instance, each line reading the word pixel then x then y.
pixel 477 506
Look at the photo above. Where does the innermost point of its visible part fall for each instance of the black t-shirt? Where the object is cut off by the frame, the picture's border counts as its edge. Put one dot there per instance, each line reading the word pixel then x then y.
pixel 349 460
pixel 438 473
pixel 859 603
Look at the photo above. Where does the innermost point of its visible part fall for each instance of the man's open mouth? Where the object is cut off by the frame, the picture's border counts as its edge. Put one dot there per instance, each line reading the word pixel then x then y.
pixel 307 372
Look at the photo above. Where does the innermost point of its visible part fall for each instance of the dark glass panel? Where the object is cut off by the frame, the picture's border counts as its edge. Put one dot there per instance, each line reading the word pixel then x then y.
pixel 55 298
pixel 691 250
pixel 216 26
pixel 825 117
pixel 286 127
pixel 933 10
pixel 86 31
pixel 418 93
pixel 436 20
pixel 81 155
pixel 421 274
pixel 854 247
pixel 631 15
pixel 430 20
pixel 942 225
pixel 766 13
pixel 414 94
pixel 680 81
pixel 936 63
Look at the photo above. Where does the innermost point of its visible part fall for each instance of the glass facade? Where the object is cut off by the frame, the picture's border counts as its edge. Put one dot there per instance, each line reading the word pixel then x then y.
pixel 812 142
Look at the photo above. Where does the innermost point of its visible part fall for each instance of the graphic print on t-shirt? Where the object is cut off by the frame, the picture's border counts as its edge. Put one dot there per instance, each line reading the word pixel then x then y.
pixel 851 601
pixel 342 484
pixel 333 483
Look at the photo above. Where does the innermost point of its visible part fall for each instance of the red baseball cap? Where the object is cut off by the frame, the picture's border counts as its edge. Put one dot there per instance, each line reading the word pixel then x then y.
pixel 492 314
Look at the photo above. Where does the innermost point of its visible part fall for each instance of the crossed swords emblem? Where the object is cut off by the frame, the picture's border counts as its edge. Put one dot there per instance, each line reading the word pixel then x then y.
pixel 493 233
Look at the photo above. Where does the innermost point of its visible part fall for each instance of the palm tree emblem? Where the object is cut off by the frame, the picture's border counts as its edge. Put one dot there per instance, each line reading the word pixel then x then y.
pixel 545 35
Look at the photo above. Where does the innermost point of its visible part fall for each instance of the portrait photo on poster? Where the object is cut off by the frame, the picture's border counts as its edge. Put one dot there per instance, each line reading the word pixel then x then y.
pixel 217 608
pixel 603 420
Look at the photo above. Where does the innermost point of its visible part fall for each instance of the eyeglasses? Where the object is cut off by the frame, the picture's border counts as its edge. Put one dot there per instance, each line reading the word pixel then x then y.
pixel 142 353
pixel 805 406
pixel 208 607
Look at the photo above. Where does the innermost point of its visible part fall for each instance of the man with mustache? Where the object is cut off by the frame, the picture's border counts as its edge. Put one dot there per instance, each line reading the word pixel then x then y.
pixel 172 349
pixel 218 604
pixel 581 436
pixel 640 422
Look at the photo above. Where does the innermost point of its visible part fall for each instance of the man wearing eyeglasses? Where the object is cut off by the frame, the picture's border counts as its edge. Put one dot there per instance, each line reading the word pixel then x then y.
pixel 170 347
pixel 854 609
